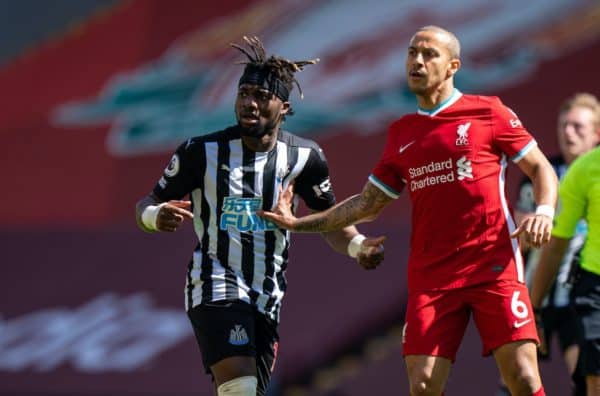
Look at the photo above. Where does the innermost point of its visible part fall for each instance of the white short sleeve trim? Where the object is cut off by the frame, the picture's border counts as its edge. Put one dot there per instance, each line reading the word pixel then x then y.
pixel 390 192
pixel 517 157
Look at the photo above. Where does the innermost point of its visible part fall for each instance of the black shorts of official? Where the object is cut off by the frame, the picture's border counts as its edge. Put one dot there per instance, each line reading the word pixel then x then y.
pixel 235 328
pixel 586 295
pixel 558 321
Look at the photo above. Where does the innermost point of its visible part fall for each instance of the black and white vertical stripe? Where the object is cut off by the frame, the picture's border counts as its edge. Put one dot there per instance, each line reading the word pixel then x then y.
pixel 230 264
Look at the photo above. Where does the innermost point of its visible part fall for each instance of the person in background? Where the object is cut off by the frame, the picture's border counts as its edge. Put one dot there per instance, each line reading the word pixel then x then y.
pixel 578 132
pixel 580 200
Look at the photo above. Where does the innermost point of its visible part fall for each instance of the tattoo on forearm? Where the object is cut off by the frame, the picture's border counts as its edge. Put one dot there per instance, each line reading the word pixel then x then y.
pixel 357 208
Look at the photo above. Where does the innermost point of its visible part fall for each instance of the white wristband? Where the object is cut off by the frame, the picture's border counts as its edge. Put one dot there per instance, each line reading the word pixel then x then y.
pixel 150 216
pixel 355 245
pixel 545 210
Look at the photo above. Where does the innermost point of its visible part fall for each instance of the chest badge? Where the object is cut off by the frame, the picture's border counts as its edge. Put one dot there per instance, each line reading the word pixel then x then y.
pixel 463 134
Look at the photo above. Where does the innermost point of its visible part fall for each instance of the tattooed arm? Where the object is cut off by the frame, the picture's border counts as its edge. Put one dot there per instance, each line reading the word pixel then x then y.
pixel 354 210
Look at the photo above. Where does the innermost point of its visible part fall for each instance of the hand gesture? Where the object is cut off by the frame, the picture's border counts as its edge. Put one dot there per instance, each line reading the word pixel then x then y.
pixel 534 229
pixel 171 215
pixel 371 253
pixel 282 214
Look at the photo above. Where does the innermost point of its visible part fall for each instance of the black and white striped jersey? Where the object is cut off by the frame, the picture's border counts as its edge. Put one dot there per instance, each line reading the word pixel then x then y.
pixel 240 255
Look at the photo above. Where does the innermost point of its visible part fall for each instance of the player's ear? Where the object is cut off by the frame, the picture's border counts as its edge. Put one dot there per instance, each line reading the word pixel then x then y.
pixel 453 67
pixel 285 108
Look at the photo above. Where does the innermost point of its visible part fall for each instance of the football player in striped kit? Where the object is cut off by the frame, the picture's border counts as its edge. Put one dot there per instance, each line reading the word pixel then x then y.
pixel 236 278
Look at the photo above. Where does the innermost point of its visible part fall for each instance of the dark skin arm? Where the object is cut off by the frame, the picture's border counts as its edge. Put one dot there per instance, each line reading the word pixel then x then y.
pixel 170 216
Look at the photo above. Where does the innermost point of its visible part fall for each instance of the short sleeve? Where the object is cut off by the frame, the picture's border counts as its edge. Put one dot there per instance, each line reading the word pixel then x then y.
pixel 313 184
pixel 572 192
pixel 179 177
pixel 385 175
pixel 509 134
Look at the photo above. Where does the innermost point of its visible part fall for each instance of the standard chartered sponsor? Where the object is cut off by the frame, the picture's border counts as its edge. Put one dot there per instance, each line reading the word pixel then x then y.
pixel 425 170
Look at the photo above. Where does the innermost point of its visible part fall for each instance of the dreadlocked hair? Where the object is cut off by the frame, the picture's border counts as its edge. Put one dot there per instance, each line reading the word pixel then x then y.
pixel 282 69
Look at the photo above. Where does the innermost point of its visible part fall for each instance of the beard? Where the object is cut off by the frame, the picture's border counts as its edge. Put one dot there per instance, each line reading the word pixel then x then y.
pixel 255 131
pixel 259 130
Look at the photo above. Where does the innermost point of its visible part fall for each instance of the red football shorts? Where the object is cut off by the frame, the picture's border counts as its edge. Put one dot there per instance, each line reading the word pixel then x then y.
pixel 436 320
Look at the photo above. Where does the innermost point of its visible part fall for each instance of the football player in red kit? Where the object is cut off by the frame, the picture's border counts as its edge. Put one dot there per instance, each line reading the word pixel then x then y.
pixel 451 156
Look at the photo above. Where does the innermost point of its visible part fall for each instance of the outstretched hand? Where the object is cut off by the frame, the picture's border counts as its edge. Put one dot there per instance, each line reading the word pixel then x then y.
pixel 172 214
pixel 371 253
pixel 282 214
pixel 535 230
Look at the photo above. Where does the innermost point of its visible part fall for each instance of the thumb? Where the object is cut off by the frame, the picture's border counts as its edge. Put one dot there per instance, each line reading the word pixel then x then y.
pixel 187 205
pixel 184 207
pixel 374 241
pixel 517 232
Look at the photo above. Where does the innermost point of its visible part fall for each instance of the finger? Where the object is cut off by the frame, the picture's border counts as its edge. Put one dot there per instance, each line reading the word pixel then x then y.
pixel 517 232
pixel 533 234
pixel 547 235
pixel 374 241
pixel 274 217
pixel 290 188
pixel 187 205
pixel 183 212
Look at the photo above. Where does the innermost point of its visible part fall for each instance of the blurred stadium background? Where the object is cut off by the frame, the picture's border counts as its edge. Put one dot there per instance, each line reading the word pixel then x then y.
pixel 97 93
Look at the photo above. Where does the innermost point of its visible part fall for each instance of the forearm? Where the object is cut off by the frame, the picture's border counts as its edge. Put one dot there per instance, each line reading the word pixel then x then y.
pixel 547 268
pixel 149 199
pixel 348 212
pixel 545 186
pixel 339 239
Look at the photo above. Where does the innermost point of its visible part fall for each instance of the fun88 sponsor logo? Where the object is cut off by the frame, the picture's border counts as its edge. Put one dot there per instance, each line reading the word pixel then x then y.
pixel 440 172
pixel 240 214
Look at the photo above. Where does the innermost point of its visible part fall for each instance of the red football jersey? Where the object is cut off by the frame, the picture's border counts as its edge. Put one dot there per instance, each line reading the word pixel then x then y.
pixel 453 161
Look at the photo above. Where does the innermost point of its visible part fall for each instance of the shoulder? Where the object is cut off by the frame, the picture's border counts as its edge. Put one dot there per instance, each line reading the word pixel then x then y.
pixel 296 141
pixel 197 142
pixel 482 102
pixel 406 123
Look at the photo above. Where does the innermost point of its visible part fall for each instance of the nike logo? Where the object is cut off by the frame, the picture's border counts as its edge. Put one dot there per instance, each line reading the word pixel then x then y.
pixel 402 148
pixel 521 324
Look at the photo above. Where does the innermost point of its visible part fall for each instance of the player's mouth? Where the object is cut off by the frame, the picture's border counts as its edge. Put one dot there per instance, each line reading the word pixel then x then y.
pixel 249 118
pixel 416 75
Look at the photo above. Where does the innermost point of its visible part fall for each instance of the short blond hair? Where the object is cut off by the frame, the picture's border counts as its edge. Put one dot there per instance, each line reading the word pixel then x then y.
pixel 585 100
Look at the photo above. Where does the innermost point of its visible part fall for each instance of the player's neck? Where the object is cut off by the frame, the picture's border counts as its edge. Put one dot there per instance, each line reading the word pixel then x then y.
pixel 262 144
pixel 431 100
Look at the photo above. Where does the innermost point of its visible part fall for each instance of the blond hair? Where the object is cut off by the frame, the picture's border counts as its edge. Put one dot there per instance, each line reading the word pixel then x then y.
pixel 585 100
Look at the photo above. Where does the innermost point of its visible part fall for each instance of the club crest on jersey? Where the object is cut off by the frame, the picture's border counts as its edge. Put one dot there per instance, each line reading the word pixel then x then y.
pixel 463 134
pixel 238 335
pixel 240 214
pixel 173 168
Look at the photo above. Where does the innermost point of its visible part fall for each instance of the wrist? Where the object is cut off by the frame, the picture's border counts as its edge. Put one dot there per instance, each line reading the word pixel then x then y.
pixel 355 245
pixel 545 210
pixel 149 216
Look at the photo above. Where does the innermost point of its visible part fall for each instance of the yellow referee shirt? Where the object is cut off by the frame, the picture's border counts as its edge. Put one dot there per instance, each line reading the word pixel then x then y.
pixel 580 199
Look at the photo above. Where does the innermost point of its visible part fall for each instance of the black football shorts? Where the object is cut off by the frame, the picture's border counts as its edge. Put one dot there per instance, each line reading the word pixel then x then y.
pixel 586 293
pixel 235 328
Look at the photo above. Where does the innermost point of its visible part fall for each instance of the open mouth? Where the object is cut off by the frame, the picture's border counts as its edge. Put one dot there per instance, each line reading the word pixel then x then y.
pixel 249 118
pixel 416 75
